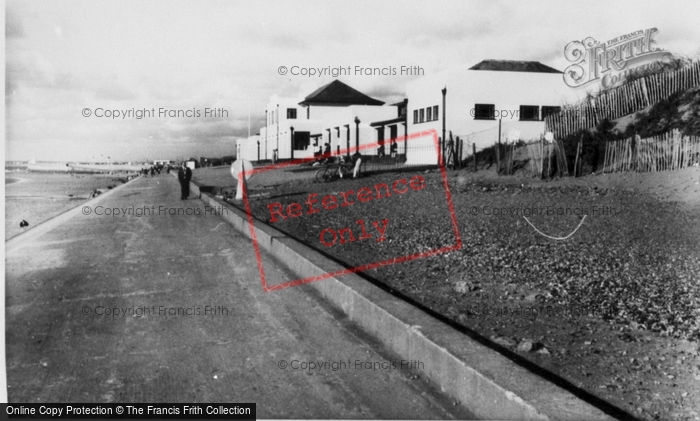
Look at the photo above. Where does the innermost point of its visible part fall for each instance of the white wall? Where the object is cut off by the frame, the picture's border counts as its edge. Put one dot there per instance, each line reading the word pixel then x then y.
pixel 422 93
pixel 333 117
pixel 465 88
pixel 248 148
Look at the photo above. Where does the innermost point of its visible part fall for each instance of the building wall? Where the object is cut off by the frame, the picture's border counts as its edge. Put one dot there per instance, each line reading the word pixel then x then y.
pixel 422 93
pixel 507 91
pixel 277 134
pixel 248 148
pixel 340 117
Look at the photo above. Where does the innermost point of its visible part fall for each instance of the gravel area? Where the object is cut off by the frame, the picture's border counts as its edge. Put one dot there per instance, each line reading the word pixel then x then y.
pixel 614 308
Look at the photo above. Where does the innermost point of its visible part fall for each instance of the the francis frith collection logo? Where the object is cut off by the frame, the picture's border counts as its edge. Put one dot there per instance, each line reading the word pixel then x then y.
pixel 609 63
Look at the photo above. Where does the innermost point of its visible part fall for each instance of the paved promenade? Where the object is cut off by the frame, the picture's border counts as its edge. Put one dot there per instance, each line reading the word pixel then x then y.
pixel 63 345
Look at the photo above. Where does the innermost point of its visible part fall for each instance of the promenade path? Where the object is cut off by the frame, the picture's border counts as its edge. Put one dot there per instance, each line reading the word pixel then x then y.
pixel 63 346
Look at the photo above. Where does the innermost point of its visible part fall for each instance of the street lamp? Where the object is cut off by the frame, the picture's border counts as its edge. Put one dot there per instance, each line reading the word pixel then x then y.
pixel 292 143
pixel 444 93
pixel 347 150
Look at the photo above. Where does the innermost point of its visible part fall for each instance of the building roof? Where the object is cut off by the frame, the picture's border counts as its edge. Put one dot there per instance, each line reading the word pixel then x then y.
pixel 386 122
pixel 514 66
pixel 338 93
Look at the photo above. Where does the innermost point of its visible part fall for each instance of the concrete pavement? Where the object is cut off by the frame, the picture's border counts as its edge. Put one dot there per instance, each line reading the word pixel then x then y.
pixel 228 341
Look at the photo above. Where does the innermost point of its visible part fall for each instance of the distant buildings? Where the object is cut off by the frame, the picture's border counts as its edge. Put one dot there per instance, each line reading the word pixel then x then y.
pixel 467 102
pixel 162 162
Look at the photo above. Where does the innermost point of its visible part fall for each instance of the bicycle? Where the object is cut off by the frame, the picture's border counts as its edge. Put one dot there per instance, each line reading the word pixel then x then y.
pixel 334 171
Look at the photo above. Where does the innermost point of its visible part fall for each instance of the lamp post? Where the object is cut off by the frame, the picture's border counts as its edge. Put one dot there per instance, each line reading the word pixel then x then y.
pixel 357 134
pixel 347 151
pixel 405 128
pixel 444 94
pixel 291 143
pixel 330 141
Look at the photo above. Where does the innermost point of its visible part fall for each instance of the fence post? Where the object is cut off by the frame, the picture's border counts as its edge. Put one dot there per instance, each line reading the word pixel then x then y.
pixel 498 150
pixel 578 147
pixel 474 155
pixel 460 145
pixel 498 158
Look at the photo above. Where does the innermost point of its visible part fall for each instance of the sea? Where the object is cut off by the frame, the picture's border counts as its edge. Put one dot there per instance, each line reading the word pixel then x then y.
pixel 38 196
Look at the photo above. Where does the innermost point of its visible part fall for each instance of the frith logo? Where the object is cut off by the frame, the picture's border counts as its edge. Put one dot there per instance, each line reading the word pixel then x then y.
pixel 610 62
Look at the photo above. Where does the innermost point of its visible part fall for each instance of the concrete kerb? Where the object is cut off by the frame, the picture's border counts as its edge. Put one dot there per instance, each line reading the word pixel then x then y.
pixel 485 382
pixel 42 228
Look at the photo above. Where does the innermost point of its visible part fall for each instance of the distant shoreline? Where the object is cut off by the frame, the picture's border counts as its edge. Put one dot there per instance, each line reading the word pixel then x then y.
pixel 44 194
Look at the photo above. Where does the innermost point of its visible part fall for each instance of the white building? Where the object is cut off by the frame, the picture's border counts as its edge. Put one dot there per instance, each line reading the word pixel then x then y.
pixel 335 114
pixel 470 102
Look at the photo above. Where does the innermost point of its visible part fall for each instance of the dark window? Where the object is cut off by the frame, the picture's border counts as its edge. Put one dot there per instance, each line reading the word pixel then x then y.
pixel 415 116
pixel 302 140
pixel 422 115
pixel 435 112
pixel 429 114
pixel 529 113
pixel 291 113
pixel 484 112
pixel 547 110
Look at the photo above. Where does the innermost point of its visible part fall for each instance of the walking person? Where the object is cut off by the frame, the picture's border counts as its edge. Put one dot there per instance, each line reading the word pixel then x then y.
pixel 184 175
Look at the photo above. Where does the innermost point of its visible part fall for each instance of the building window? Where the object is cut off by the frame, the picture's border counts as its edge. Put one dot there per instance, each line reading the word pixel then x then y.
pixel 415 116
pixel 302 141
pixel 435 112
pixel 547 110
pixel 422 115
pixel 291 113
pixel 484 112
pixel 529 113
pixel 429 114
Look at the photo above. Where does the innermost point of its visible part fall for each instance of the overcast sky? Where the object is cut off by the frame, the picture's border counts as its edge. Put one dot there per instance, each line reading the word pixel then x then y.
pixel 65 56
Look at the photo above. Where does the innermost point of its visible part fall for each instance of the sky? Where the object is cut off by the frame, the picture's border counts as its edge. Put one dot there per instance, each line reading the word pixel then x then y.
pixel 69 63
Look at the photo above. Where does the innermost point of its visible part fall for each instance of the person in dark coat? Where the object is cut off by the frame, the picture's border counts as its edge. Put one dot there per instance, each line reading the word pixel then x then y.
pixel 184 175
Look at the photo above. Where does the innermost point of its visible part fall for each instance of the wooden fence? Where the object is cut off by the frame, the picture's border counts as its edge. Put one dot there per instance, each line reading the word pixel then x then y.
pixel 669 151
pixel 623 100
pixel 546 159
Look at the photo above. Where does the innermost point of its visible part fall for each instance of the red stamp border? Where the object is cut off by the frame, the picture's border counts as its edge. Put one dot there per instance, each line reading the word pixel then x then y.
pixel 448 195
